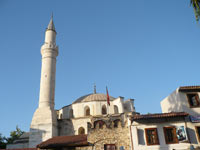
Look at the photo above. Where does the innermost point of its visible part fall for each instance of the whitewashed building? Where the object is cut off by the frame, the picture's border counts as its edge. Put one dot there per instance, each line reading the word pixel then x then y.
pixel 165 131
pixel 186 98
pixel 73 119
pixel 177 127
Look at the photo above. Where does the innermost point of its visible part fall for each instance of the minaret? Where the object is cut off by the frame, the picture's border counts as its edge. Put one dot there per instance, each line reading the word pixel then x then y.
pixel 44 121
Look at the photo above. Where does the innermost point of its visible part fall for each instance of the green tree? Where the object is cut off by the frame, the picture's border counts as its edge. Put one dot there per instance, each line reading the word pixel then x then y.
pixel 2 142
pixel 14 135
pixel 196 6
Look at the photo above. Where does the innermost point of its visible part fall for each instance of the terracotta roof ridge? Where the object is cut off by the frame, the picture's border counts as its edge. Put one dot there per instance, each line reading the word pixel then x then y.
pixel 159 115
pixel 189 86
pixel 64 140
pixel 193 87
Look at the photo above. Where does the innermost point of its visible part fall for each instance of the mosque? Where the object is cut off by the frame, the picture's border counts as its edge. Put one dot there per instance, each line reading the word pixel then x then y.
pixel 72 119
pixel 97 121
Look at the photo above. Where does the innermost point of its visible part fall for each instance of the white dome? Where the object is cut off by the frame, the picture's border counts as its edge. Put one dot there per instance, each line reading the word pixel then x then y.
pixel 93 97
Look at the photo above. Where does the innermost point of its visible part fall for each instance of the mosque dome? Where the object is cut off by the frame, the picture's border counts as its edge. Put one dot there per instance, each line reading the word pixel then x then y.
pixel 93 97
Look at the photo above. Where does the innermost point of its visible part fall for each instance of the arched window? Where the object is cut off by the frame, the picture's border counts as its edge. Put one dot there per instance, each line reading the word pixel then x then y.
pixel 81 131
pixel 116 110
pixel 87 111
pixel 71 113
pixel 103 110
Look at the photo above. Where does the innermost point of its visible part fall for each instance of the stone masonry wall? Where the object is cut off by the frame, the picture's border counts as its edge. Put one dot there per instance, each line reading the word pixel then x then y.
pixel 110 135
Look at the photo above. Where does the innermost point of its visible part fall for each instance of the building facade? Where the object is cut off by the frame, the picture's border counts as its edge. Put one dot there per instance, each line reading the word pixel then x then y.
pixel 99 121
pixel 108 132
pixel 186 99
pixel 74 118
pixel 81 112
pixel 166 131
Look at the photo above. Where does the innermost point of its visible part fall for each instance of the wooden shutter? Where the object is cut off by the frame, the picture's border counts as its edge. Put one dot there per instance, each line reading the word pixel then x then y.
pixel 175 135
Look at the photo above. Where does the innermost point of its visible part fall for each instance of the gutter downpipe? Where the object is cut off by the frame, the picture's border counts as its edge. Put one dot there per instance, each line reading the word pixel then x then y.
pixel 131 138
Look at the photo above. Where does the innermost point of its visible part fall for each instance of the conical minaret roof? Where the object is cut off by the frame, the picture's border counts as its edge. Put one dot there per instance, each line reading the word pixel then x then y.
pixel 51 25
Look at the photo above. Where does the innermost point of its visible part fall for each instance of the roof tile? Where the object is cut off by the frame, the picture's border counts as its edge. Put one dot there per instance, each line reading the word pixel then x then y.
pixel 159 115
pixel 189 88
pixel 64 141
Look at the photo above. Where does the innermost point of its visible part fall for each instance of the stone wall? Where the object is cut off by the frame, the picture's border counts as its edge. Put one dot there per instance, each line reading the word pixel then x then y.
pixel 114 131
pixel 107 130
pixel 85 148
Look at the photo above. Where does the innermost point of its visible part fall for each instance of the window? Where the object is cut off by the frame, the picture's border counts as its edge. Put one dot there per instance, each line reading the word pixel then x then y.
pixel 109 147
pixel 104 111
pixel 198 132
pixel 71 113
pixel 116 110
pixel 193 100
pixel 170 135
pixel 81 131
pixel 151 136
pixel 87 111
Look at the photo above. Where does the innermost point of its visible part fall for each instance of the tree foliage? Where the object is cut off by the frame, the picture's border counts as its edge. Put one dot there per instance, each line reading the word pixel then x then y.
pixel 196 6
pixel 14 135
pixel 2 142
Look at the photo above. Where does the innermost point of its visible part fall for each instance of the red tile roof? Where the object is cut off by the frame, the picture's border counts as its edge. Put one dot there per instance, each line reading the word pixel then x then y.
pixel 64 141
pixel 189 88
pixel 161 115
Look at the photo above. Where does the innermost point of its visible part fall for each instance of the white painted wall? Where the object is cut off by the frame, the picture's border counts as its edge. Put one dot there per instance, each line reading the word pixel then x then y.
pixel 119 103
pixel 139 137
pixel 96 108
pixel 129 105
pixel 80 120
pixel 192 134
pixel 65 111
pixel 77 123
pixel 178 102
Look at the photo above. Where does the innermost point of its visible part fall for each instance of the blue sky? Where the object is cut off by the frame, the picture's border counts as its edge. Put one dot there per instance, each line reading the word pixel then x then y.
pixel 139 49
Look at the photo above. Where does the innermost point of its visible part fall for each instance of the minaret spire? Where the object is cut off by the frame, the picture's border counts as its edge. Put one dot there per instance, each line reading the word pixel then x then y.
pixel 49 53
pixel 50 34
pixel 44 121
pixel 51 24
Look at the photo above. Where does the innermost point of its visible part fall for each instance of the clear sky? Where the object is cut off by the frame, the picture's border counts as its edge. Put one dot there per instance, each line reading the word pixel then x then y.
pixel 140 49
